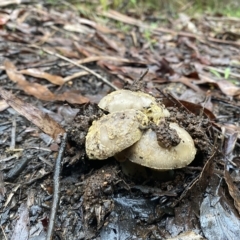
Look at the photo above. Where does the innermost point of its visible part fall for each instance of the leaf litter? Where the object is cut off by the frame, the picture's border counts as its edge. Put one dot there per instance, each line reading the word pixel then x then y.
pixel 55 63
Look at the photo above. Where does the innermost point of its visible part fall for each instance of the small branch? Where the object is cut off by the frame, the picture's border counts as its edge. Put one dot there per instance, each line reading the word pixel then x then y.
pixel 13 138
pixel 56 187
pixel 3 232
pixel 76 64
pixel 17 169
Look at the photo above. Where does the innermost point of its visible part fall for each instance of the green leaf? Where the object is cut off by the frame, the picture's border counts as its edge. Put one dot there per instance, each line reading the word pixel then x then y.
pixel 216 73
pixel 227 72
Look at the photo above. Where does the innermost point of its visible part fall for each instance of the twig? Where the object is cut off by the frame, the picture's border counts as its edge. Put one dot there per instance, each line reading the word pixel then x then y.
pixel 56 187
pixel 16 155
pixel 18 168
pixel 36 179
pixel 143 75
pixel 13 137
pixel 76 64
pixel 3 232
pixel 45 161
pixel 10 196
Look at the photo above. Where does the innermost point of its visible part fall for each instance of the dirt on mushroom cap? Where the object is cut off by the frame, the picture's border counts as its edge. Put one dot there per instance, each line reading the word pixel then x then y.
pixel 147 151
pixel 114 132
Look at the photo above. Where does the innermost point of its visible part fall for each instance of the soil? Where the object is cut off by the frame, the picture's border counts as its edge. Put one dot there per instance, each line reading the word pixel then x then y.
pixel 198 127
pixel 166 136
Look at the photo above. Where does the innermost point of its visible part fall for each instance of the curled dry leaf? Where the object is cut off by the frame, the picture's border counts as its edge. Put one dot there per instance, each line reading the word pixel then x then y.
pixel 33 114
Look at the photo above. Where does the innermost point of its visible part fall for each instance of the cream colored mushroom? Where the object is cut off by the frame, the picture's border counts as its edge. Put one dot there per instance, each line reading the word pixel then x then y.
pixel 114 132
pixel 148 153
pixel 126 99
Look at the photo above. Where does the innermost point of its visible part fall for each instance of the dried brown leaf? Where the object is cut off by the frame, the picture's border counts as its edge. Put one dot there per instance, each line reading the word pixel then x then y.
pixel 33 114
pixel 225 86
pixel 67 52
pixel 13 74
pixel 112 44
pixel 79 28
pixel 40 74
pixel 72 97
pixel 188 82
pixel 197 109
pixel 118 60
pixel 230 143
pixel 228 88
pixel 39 91
pixel 233 190
pixel 229 128
pixel 35 89
pixel 101 28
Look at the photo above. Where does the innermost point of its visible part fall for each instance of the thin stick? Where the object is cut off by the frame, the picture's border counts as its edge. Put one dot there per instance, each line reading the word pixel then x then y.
pixel 76 64
pixel 3 232
pixel 13 138
pixel 56 187
pixel 143 75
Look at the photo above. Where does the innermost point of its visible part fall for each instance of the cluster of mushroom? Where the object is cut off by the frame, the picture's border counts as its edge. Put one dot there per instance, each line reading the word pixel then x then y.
pixel 126 133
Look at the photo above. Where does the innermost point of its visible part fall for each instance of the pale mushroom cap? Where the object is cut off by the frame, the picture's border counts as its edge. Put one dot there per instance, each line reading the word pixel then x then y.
pixel 114 132
pixel 148 153
pixel 126 99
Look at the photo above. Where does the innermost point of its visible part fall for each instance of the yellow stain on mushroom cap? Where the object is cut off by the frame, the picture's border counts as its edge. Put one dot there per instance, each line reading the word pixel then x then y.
pixel 126 99
pixel 155 113
pixel 114 132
